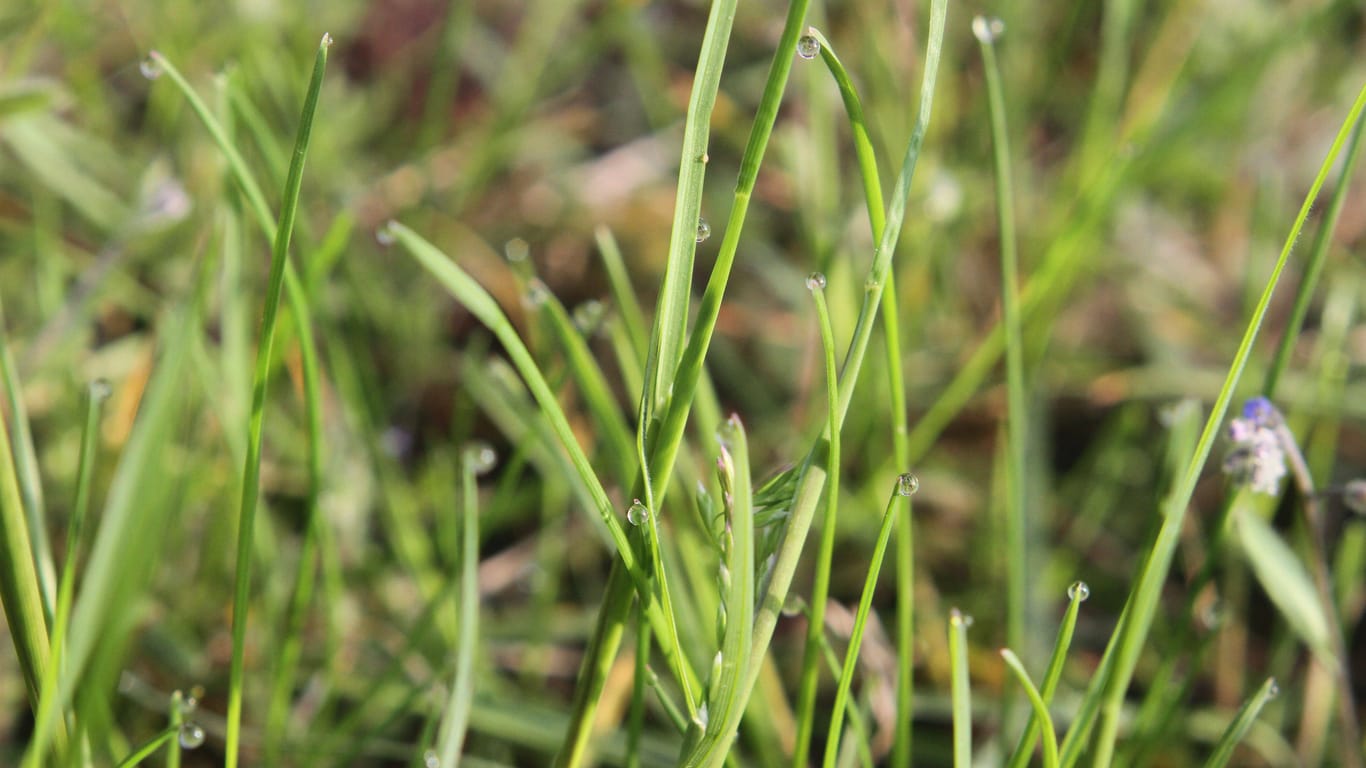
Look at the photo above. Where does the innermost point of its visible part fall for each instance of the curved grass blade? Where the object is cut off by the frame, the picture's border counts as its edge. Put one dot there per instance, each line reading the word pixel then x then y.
pixel 150 747
pixel 1242 722
pixel 1077 593
pixel 903 489
pixel 820 589
pixel 1040 708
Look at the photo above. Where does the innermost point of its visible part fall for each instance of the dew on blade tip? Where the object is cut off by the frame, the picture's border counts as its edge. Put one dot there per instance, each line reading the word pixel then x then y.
pixel 988 29
pixel 808 47
pixel 150 67
pixel 815 281
pixel 480 457
pixel 907 484
pixel 1079 591
pixel 385 235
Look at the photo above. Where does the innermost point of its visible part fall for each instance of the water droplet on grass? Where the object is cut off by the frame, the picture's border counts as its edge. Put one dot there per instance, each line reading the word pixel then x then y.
pixel 480 457
pixel 150 67
pixel 1079 591
pixel 385 234
pixel 536 294
pixel 959 619
pixel 637 513
pixel 100 390
pixel 988 30
pixel 907 484
pixel 191 736
pixel 808 47
pixel 815 281
pixel 1274 690
pixel 703 230
pixel 327 40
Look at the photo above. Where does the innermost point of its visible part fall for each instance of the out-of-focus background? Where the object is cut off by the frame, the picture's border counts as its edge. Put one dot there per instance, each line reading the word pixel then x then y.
pixel 1160 150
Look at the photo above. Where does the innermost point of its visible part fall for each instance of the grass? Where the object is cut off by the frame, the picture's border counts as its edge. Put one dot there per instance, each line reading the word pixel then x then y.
pixel 519 484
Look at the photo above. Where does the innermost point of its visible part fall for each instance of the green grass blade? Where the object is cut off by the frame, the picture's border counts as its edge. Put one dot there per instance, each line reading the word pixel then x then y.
pixel 820 589
pixel 1144 599
pixel 1242 722
pixel 47 720
pixel 671 314
pixel 905 486
pixel 1040 708
pixel 456 720
pixel 1017 416
pixel 623 294
pixel 725 699
pixel 20 587
pixel 1076 594
pixel 811 474
pixel 149 748
pixel 252 472
pixel 26 473
pixel 961 689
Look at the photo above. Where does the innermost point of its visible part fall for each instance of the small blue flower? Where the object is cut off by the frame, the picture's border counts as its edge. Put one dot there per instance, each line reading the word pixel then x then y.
pixel 1257 458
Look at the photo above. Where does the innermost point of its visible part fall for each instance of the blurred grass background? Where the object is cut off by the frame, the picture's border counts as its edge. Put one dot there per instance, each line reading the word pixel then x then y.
pixel 1160 149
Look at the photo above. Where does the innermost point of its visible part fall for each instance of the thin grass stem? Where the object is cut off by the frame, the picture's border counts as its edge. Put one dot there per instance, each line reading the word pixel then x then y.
pixel 1040 708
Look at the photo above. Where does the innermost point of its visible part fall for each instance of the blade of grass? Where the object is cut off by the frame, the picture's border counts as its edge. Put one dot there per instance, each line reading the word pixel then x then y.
pixel 456 719
pixel 1242 722
pixel 671 314
pixel 905 486
pixel 1017 416
pixel 20 588
pixel 252 472
pixel 820 589
pixel 150 747
pixel 961 690
pixel 1040 708
pixel 1129 639
pixel 47 721
pixel 26 473
pixel 812 476
pixel 1076 594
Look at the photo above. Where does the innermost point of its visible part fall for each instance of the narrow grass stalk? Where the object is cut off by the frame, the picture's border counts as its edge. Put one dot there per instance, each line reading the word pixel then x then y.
pixel 1242 722
pixel 47 720
pixel 623 294
pixel 20 588
pixel 150 747
pixel 1077 593
pixel 252 472
pixel 1017 416
pixel 961 692
pixel 1040 708
pixel 26 473
pixel 725 696
pixel 635 719
pixel 905 486
pixel 811 474
pixel 820 590
pixel 1131 636
pixel 457 717
pixel 891 329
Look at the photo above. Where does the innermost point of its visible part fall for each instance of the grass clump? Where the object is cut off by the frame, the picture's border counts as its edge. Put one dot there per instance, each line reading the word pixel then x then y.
pixel 275 492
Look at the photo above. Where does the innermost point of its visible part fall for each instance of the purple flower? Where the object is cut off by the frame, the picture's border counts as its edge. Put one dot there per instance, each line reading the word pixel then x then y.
pixel 1257 457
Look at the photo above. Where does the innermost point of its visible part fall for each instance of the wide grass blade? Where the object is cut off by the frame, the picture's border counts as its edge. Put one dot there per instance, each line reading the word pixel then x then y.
pixel 289 203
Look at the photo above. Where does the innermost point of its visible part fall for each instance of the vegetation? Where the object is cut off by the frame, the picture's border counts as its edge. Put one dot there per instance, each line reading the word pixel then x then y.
pixel 538 383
